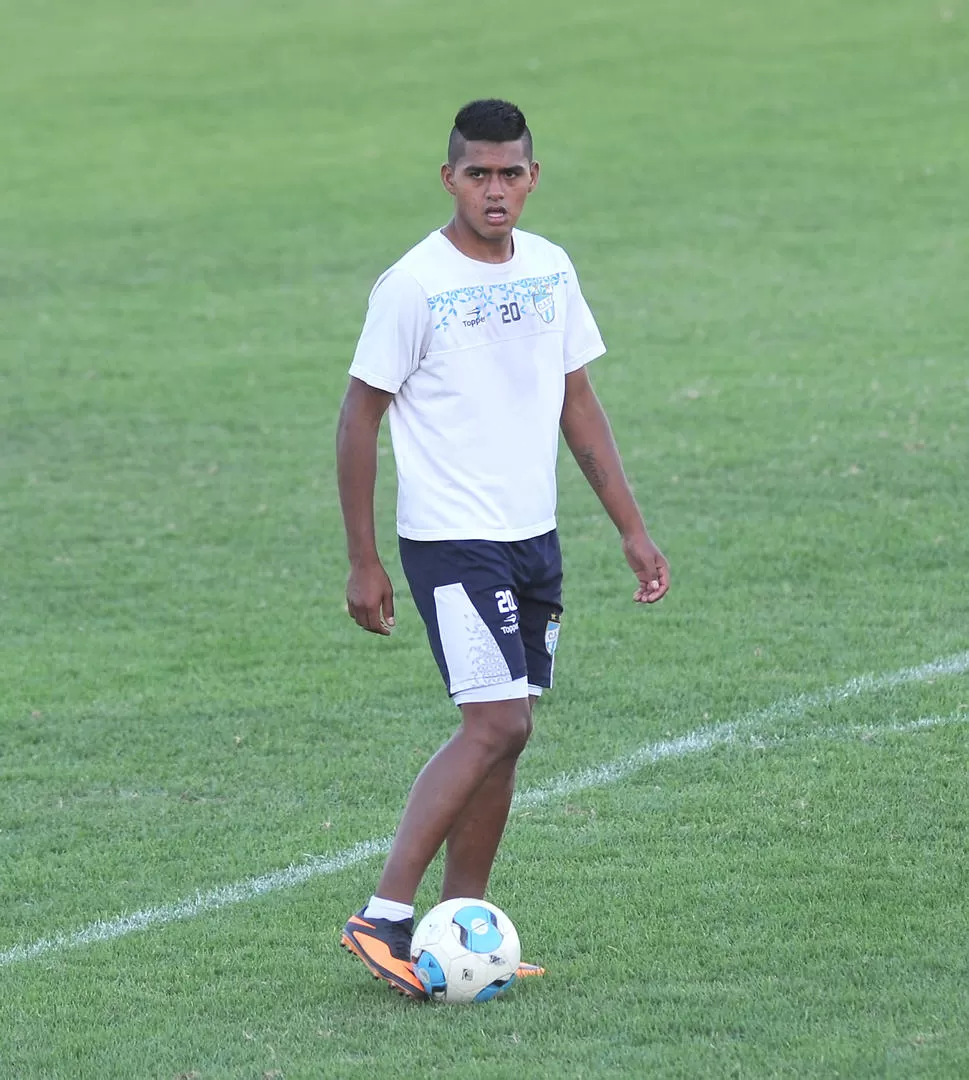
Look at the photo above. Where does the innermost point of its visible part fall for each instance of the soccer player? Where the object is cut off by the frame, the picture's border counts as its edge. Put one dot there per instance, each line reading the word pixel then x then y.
pixel 476 344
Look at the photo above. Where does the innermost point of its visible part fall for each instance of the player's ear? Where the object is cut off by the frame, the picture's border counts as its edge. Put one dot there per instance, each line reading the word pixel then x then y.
pixel 533 170
pixel 447 178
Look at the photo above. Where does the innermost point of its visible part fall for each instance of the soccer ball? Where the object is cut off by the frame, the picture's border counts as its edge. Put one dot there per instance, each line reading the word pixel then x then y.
pixel 465 950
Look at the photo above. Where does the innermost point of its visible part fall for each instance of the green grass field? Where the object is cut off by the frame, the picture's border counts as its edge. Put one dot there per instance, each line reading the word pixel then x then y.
pixel 734 860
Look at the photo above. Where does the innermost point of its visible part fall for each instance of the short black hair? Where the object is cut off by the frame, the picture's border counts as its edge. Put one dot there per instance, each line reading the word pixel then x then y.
pixel 488 120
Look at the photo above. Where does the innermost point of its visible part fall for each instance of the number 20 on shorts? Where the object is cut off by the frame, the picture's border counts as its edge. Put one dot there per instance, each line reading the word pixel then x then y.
pixel 506 601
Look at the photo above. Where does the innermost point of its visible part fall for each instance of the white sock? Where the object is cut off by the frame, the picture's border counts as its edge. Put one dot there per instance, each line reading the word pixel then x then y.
pixel 378 908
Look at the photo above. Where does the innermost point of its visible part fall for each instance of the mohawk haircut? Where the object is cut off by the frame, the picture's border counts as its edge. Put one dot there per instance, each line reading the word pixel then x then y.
pixel 488 120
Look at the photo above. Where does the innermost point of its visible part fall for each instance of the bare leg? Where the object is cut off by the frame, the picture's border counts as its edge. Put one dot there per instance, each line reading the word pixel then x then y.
pixel 473 840
pixel 491 733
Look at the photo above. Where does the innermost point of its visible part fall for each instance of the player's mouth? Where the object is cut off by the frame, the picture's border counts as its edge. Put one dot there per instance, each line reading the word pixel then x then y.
pixel 496 215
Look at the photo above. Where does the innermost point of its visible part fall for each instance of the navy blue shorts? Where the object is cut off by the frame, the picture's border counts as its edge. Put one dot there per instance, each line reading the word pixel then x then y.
pixel 492 611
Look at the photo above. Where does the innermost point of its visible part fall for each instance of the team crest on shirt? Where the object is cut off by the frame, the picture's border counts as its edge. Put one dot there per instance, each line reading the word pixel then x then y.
pixel 544 300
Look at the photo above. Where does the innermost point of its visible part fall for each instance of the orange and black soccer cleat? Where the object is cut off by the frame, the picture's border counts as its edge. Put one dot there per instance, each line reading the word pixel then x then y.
pixel 527 970
pixel 384 946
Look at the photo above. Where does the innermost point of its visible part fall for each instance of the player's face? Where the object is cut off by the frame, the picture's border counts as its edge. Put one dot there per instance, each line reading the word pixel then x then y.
pixel 490 183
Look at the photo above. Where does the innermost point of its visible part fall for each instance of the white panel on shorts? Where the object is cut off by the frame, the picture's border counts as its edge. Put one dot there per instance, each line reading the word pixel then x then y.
pixel 506 691
pixel 470 651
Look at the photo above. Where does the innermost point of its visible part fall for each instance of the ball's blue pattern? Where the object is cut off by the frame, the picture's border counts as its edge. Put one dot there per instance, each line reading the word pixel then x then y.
pixel 499 986
pixel 477 941
pixel 430 972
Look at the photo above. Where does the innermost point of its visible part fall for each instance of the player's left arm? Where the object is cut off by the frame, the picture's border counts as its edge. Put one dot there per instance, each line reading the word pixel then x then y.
pixel 588 435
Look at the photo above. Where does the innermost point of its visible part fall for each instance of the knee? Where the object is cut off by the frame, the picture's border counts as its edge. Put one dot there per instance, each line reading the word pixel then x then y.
pixel 503 727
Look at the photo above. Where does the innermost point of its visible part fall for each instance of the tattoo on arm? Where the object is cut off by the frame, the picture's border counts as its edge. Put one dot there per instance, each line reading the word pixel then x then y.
pixel 592 468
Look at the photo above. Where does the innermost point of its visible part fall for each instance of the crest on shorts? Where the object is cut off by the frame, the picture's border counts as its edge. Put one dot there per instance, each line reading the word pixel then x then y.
pixel 552 628
pixel 544 300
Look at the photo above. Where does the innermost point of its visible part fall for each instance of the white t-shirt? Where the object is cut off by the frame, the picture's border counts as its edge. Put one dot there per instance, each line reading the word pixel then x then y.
pixel 476 356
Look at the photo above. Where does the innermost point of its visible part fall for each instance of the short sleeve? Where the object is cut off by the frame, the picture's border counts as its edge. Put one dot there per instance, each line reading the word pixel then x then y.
pixel 395 334
pixel 583 342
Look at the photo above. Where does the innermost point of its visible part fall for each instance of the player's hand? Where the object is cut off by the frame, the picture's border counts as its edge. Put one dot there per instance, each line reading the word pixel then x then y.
pixel 649 565
pixel 370 598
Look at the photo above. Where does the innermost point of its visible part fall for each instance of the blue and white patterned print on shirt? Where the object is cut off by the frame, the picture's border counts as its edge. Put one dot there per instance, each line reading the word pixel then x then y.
pixel 532 294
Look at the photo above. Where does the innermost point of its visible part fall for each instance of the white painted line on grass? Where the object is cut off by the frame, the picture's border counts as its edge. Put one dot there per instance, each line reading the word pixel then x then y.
pixel 614 771
pixel 741 732
pixel 706 738
pixel 201 902
pixel 788 708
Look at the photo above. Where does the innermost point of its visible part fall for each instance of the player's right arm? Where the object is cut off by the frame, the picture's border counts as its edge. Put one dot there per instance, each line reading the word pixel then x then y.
pixel 393 340
pixel 370 594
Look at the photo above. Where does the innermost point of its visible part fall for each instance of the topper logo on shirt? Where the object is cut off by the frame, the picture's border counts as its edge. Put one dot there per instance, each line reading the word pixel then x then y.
pixel 474 317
